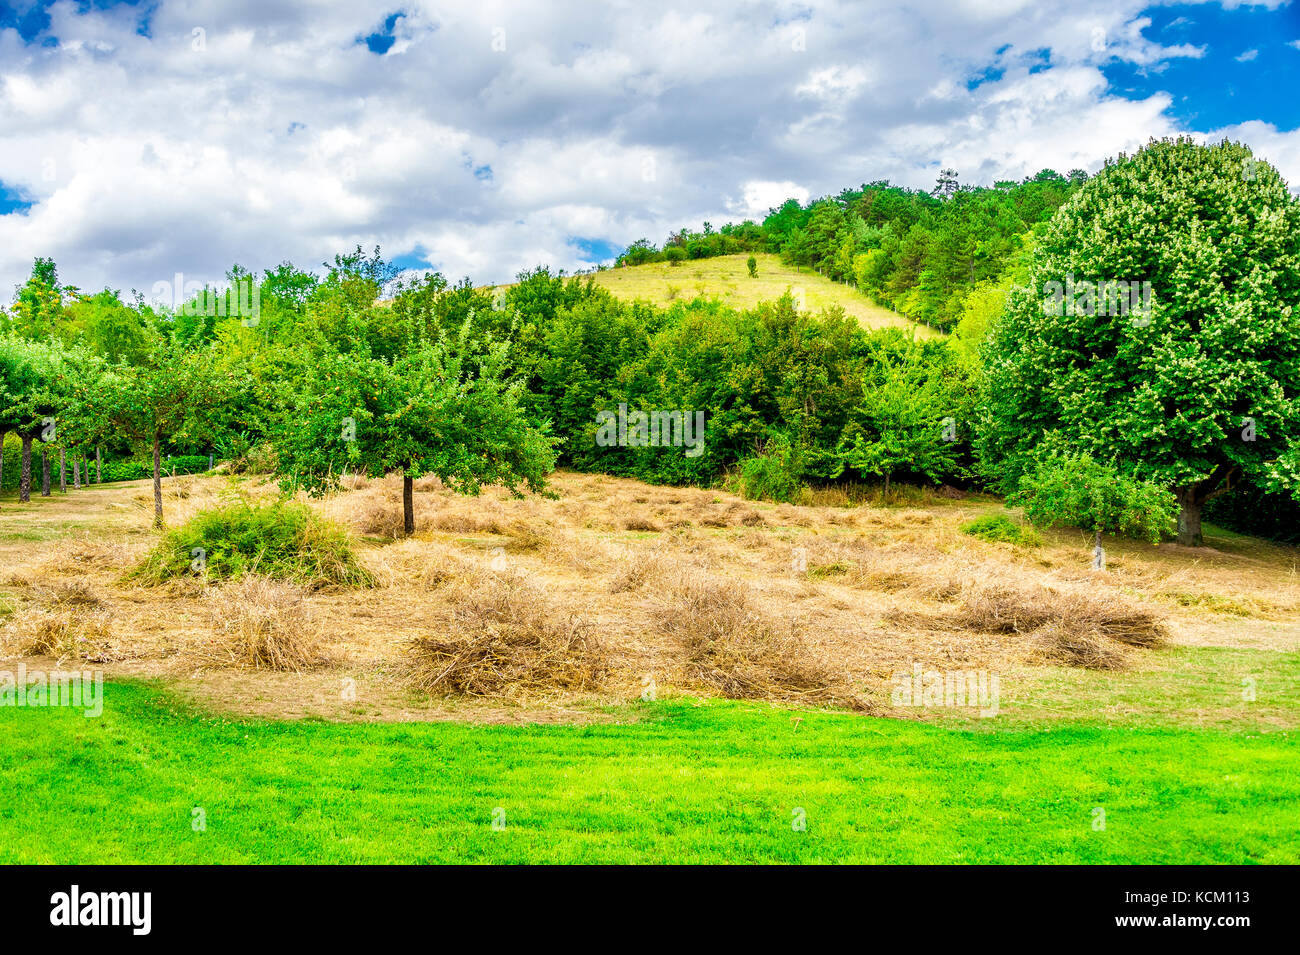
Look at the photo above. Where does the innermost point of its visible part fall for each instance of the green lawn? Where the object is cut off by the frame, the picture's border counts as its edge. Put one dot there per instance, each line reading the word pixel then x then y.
pixel 677 781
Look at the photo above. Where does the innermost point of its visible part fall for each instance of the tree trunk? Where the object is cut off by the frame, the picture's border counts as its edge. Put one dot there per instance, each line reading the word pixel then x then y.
pixel 63 470
pixel 99 466
pixel 76 471
pixel 45 473
pixel 408 505
pixel 25 477
pixel 2 462
pixel 1189 517
pixel 157 484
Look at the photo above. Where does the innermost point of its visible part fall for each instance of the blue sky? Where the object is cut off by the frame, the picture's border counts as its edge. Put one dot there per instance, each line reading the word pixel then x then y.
pixel 1250 68
pixel 485 139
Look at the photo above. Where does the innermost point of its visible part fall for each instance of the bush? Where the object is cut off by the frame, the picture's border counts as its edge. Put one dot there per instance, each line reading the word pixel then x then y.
pixel 674 255
pixel 139 469
pixel 1075 490
pixel 774 475
pixel 998 527
pixel 284 540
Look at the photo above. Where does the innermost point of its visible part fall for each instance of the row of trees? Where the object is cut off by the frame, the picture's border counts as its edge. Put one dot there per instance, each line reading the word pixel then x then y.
pixel 352 370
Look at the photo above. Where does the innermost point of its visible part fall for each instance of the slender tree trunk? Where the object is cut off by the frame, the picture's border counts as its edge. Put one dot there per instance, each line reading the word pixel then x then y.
pixel 25 478
pixel 2 462
pixel 63 470
pixel 76 471
pixel 408 505
pixel 45 473
pixel 99 466
pixel 157 484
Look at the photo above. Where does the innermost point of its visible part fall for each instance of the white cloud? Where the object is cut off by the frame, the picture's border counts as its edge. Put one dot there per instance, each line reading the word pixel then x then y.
pixel 491 135
pixel 760 196
pixel 1247 56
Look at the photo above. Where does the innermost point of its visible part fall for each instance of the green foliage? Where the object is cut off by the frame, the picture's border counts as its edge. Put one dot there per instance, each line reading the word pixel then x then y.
pixel 1000 528
pixel 137 469
pixel 1250 509
pixel 431 410
pixel 1073 490
pixel 1202 389
pixel 751 263
pixel 283 539
pixel 773 475
pixel 914 397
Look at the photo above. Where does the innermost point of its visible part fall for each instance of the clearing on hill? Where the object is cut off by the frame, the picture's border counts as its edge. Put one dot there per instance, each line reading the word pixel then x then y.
pixel 726 278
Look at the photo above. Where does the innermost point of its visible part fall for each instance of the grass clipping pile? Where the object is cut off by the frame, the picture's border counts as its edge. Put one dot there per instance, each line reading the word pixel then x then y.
pixel 733 648
pixel 1070 627
pixel 509 639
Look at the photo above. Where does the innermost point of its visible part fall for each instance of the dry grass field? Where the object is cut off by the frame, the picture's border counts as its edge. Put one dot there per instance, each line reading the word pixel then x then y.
pixel 559 610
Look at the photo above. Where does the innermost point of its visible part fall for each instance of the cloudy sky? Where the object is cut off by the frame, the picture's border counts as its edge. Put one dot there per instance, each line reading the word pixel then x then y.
pixel 143 139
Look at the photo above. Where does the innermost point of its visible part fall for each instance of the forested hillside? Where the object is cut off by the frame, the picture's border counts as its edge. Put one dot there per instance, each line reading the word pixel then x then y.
pixel 924 253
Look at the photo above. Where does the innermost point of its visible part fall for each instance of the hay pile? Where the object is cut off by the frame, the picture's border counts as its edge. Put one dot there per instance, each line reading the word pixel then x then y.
pixel 733 648
pixel 504 636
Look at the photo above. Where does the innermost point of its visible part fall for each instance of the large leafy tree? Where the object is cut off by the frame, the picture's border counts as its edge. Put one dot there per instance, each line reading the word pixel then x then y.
pixel 427 411
pixel 38 306
pixel 29 397
pixel 1199 390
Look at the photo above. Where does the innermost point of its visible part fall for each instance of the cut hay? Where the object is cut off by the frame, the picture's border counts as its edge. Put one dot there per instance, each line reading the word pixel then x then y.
pixel 734 649
pixel 263 624
pixel 506 639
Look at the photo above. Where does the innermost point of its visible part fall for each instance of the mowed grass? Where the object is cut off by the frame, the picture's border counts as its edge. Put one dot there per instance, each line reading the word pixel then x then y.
pixel 726 278
pixel 676 781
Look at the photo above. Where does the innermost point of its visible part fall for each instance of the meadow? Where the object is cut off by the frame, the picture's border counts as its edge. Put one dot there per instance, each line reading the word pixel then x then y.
pixel 344 759
pixel 726 278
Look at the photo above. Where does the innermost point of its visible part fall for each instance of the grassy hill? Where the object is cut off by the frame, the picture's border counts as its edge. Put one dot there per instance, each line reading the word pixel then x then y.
pixel 727 279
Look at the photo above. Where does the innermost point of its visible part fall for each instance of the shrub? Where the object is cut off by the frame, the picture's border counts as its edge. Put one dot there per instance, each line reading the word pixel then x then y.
pixel 1075 490
pixel 773 475
pixel 998 527
pixel 285 540
pixel 133 469
pixel 752 264
pixel 674 255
